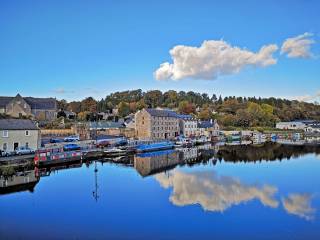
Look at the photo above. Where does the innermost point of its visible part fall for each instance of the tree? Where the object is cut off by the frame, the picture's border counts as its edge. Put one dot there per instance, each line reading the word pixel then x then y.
pixel 243 118
pixel 205 114
pixel 62 104
pixel 153 98
pixel 123 109
pixel 186 107
pixel 214 98
pixel 61 113
pixel 141 104
pixel 74 107
pixel 82 116
pixel 133 107
pixel 89 105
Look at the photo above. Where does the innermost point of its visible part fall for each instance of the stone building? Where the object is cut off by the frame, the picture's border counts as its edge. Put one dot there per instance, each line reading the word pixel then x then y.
pixel 16 133
pixel 156 124
pixel 39 108
pixel 208 128
pixel 151 163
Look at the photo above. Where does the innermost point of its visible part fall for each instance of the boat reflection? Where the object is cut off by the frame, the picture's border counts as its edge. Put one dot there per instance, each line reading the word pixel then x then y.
pixel 208 189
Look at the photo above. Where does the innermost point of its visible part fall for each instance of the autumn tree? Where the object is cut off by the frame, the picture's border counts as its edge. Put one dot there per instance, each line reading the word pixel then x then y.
pixel 186 107
pixel 89 104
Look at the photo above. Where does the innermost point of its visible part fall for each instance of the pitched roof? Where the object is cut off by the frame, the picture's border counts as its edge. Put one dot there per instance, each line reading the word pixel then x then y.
pixel 4 101
pixel 41 103
pixel 35 103
pixel 161 112
pixel 205 124
pixel 185 116
pixel 105 125
pixel 17 124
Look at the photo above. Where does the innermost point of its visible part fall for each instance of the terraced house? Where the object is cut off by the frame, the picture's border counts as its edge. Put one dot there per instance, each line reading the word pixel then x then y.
pixel 16 133
pixel 156 124
pixel 39 108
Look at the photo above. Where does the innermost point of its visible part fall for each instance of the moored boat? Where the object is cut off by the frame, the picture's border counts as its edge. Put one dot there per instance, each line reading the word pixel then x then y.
pixel 154 147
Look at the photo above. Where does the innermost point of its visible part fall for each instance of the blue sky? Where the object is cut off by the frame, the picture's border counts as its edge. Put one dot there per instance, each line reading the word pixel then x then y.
pixel 74 49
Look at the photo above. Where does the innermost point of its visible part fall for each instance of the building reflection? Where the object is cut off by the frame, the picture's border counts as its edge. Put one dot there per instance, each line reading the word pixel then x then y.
pixel 155 162
pixel 18 181
pixel 212 192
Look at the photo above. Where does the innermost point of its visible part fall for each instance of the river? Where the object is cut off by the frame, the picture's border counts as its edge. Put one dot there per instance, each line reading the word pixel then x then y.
pixel 264 191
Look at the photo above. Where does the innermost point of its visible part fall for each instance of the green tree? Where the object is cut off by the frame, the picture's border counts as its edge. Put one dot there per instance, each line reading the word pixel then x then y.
pixel 123 109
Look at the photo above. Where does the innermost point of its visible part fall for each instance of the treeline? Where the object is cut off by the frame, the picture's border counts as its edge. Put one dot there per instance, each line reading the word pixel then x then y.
pixel 230 111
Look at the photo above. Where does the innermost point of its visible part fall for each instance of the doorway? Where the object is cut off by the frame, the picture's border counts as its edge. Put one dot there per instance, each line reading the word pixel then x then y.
pixel 15 146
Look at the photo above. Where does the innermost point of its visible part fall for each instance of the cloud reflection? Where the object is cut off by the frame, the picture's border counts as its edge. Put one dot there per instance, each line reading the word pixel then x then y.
pixel 299 205
pixel 213 192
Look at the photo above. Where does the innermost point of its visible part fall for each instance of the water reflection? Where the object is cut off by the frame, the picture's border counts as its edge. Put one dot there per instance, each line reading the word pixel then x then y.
pixel 218 193
pixel 299 205
pixel 18 181
pixel 213 192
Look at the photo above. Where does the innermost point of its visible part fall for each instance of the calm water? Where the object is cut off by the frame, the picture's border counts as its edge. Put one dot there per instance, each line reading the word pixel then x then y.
pixel 219 192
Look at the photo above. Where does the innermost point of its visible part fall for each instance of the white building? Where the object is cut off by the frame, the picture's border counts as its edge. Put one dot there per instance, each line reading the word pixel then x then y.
pixel 16 133
pixel 294 125
pixel 305 125
pixel 188 125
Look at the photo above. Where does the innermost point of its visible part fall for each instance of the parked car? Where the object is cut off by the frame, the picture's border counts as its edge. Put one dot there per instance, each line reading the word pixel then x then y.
pixel 6 153
pixel 73 138
pixel 71 147
pixel 23 151
pixel 56 140
pixel 103 143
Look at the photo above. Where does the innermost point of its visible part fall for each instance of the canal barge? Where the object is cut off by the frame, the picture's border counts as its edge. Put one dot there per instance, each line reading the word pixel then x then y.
pixel 48 156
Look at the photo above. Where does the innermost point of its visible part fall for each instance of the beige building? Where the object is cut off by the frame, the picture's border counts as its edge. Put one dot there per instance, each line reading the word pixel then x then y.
pixel 18 106
pixel 156 124
pixel 18 133
pixel 151 163
pixel 208 128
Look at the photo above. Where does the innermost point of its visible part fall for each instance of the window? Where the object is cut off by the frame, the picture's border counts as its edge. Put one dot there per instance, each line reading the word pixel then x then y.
pixel 27 133
pixel 5 133
pixel 27 145
pixel 5 147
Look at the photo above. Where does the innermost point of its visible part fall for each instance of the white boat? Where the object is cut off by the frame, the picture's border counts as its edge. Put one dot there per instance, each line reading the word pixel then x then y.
pixel 115 152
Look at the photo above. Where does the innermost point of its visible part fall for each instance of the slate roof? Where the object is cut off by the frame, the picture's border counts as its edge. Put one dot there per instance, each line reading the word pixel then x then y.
pixel 17 124
pixel 105 125
pixel 4 101
pixel 41 103
pixel 35 103
pixel 185 116
pixel 161 112
pixel 205 124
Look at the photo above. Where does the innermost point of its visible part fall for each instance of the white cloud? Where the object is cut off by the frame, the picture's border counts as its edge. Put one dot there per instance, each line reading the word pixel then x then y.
pixel 299 205
pixel 298 47
pixel 307 98
pixel 213 192
pixel 212 59
pixel 59 91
